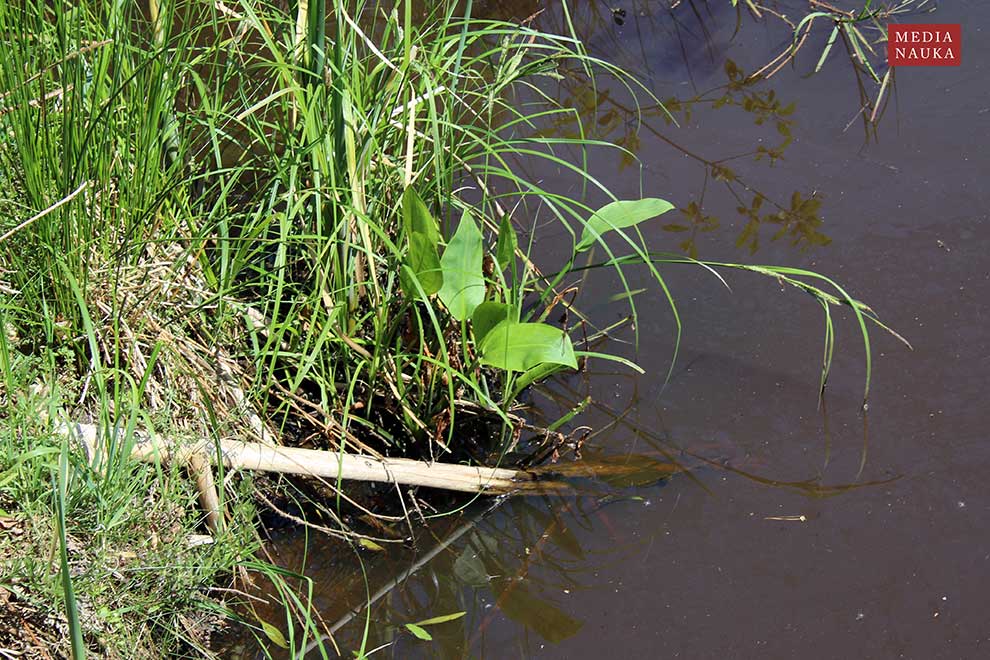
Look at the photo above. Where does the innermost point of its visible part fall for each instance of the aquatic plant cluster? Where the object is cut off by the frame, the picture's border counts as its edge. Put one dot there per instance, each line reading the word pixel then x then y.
pixel 298 224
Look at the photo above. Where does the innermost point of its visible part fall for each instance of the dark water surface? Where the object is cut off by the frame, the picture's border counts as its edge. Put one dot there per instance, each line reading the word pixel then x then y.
pixel 777 555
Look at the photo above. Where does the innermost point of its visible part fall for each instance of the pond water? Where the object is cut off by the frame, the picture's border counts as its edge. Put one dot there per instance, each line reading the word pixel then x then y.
pixel 800 530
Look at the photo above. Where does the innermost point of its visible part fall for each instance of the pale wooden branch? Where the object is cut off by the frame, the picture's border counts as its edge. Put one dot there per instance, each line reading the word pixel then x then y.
pixel 209 498
pixel 238 455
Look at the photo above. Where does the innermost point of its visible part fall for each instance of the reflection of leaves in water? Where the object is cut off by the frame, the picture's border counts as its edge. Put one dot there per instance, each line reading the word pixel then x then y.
pixel 698 221
pixel 482 563
pixel 549 526
pixel 562 537
pixel 470 569
pixel 540 615
pixel 620 470
pixel 801 222
pixel 621 125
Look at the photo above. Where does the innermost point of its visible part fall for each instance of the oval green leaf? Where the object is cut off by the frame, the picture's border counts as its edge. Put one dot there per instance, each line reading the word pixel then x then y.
pixel 417 218
pixel 515 346
pixel 463 278
pixel 273 634
pixel 619 215
pixel 370 545
pixel 424 261
pixel 488 315
pixel 505 246
pixel 419 632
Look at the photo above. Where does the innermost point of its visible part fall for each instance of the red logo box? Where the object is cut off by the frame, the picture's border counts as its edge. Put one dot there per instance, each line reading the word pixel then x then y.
pixel 924 44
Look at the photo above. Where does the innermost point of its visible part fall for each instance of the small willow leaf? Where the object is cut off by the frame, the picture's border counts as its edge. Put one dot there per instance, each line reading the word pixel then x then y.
pixel 619 215
pixel 419 632
pixel 443 618
pixel 370 545
pixel 505 246
pixel 274 634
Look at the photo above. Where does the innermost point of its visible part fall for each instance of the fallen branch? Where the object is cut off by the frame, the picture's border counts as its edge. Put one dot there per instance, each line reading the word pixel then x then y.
pixel 237 455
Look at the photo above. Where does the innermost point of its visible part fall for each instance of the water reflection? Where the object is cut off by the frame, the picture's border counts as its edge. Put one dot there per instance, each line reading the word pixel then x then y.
pixel 666 49
pixel 516 567
pixel 522 562
pixel 671 455
pixel 797 219
pixel 519 565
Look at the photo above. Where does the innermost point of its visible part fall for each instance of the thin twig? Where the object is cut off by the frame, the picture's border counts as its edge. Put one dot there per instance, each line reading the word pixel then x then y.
pixel 27 223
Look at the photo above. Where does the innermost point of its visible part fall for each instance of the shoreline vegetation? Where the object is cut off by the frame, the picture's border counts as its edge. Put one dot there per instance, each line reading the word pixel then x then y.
pixel 288 227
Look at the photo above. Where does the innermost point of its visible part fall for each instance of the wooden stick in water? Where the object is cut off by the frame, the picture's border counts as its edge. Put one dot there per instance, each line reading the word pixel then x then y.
pixel 238 455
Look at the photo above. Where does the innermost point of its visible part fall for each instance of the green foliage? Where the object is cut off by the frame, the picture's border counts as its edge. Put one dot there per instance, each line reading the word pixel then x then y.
pixel 488 315
pixel 515 346
pixel 292 225
pixel 423 237
pixel 71 606
pixel 620 215
pixel 508 243
pixel 463 280
pixel 106 553
pixel 418 630
pixel 417 219
pixel 212 203
pixel 423 262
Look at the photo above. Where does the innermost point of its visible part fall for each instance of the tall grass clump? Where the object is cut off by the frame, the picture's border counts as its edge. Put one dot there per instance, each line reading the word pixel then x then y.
pixel 260 198
pixel 284 223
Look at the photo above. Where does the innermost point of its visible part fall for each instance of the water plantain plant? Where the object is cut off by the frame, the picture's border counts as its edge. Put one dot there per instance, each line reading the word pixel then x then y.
pixel 503 338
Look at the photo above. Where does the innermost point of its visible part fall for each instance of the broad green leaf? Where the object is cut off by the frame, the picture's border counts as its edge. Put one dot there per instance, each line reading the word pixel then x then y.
pixel 619 215
pixel 489 314
pixel 419 632
pixel 443 618
pixel 463 279
pixel 515 346
pixel 505 247
pixel 417 218
pixel 424 261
